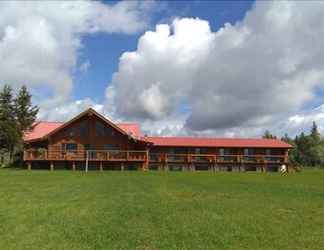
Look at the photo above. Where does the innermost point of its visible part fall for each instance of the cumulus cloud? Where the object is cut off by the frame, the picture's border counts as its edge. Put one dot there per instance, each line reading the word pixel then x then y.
pixel 40 41
pixel 239 79
pixel 64 111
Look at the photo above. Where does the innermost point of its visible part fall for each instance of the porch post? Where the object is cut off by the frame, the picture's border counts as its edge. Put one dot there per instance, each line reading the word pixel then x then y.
pixel 122 168
pixel 147 160
pixel 100 167
pixel 52 166
pixel 29 165
pixel 73 166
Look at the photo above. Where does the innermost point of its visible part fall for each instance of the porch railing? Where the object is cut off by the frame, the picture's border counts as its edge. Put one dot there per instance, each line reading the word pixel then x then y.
pixel 80 155
pixel 213 158
pixel 126 155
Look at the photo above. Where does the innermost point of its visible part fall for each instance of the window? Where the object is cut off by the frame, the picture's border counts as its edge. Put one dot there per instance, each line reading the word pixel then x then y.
pixel 180 150
pixel 249 151
pixel 103 130
pixel 71 131
pixel 221 151
pixel 70 146
pixel 100 129
pixel 83 128
pixel 111 147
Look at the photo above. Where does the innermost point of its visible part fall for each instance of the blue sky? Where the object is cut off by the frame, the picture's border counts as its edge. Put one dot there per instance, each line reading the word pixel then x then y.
pixel 224 68
pixel 103 50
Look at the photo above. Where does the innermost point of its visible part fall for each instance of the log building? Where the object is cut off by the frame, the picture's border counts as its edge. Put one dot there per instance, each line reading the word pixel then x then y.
pixel 91 141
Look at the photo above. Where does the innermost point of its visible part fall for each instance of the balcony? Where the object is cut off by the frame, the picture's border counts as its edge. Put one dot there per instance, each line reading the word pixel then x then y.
pixel 83 155
pixel 144 156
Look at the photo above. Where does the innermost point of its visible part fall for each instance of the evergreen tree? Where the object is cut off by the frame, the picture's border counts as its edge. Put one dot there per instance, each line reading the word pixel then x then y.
pixel 315 135
pixel 8 130
pixel 6 104
pixel 25 112
pixel 268 135
pixel 315 149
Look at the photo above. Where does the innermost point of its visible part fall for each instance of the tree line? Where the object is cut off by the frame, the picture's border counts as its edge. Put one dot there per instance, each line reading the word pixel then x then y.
pixel 308 149
pixel 17 115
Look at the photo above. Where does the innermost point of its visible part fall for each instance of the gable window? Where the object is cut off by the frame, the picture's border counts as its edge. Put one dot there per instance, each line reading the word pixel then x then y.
pixel 100 129
pixel 83 128
pixel 71 131
pixel 103 130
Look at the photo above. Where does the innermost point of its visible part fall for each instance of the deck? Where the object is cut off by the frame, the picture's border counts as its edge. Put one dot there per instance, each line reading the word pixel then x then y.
pixel 145 156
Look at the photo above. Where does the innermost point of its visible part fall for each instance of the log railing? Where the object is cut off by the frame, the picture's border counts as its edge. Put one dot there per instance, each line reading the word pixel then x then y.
pixel 125 155
pixel 212 158
pixel 82 155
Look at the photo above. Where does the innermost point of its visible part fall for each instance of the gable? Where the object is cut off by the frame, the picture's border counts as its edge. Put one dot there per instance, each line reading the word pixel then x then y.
pixel 46 130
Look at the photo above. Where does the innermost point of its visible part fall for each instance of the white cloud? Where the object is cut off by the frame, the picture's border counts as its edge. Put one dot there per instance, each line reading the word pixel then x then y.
pixel 303 120
pixel 40 41
pixel 241 79
pixel 67 110
pixel 84 67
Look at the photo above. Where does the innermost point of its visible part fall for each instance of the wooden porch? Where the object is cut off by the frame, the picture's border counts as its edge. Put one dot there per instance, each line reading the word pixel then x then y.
pixel 221 159
pixel 84 155
pixel 150 158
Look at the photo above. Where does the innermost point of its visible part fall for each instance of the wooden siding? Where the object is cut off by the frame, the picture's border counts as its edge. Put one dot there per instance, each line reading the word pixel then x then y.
pixel 91 137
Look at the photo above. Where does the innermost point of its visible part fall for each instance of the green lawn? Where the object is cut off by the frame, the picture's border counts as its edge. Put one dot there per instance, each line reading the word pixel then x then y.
pixel 157 210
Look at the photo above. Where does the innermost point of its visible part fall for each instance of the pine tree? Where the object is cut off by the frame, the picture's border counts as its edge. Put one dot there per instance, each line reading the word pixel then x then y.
pixel 315 135
pixel 268 135
pixel 6 104
pixel 24 111
pixel 315 149
pixel 8 129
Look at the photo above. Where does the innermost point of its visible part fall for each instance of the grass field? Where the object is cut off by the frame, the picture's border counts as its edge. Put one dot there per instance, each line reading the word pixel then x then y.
pixel 156 210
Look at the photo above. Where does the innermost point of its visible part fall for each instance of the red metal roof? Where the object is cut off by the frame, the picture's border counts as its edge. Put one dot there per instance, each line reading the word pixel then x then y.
pixel 216 142
pixel 130 128
pixel 42 128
